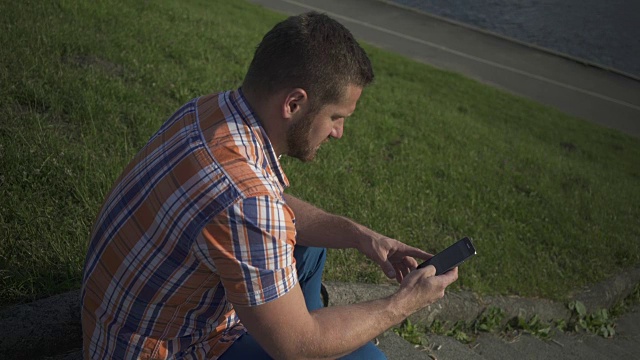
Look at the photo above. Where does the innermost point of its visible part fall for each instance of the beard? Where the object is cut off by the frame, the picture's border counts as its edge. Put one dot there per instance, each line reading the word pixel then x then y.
pixel 298 142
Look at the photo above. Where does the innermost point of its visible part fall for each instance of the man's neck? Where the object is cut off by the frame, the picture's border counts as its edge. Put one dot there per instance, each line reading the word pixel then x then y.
pixel 266 114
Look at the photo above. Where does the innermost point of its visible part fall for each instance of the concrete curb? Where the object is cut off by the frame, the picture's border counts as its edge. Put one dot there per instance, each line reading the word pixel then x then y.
pixel 607 293
pixel 44 327
pixel 454 306
pixel 51 326
pixel 468 306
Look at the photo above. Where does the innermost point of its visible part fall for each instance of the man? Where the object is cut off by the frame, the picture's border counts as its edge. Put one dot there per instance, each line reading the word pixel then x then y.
pixel 197 253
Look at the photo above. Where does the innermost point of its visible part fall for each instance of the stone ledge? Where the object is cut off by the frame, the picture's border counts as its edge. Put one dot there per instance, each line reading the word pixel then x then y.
pixel 51 326
pixel 44 327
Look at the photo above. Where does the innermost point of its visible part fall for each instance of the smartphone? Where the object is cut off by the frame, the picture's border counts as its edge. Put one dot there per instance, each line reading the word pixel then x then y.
pixel 451 257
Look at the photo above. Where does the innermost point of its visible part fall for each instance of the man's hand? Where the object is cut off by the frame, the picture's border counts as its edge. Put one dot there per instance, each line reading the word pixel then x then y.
pixel 422 288
pixel 395 258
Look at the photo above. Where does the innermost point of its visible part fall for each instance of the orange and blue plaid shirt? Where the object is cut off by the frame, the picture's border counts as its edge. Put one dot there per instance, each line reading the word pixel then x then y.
pixel 196 222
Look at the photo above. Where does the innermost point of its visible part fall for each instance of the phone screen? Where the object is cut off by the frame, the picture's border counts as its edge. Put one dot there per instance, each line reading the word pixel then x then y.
pixel 451 257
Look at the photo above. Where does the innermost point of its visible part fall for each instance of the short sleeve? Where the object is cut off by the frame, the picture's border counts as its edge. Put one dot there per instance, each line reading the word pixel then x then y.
pixel 250 246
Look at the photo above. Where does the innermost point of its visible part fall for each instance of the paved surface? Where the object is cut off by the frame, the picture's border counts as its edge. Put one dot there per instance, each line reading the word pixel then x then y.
pixel 596 95
pixel 625 345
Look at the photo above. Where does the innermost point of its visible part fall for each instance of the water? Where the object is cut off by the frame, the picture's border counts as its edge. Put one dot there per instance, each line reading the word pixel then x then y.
pixel 605 32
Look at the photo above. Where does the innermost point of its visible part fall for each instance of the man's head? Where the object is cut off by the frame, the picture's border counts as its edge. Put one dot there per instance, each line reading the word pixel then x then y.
pixel 313 62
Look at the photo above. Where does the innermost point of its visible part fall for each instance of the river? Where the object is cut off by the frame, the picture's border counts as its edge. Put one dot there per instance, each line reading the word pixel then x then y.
pixel 605 32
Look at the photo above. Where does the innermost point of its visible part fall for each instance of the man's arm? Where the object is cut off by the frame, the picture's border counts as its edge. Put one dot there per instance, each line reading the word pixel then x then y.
pixel 316 227
pixel 286 330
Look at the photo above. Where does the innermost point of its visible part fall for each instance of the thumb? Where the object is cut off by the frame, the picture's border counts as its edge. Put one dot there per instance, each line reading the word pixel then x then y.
pixel 388 270
pixel 430 270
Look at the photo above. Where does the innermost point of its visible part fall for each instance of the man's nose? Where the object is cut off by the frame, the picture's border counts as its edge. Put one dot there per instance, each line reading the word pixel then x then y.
pixel 338 128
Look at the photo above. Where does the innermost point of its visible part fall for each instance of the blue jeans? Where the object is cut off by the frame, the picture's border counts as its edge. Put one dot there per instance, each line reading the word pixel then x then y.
pixel 309 264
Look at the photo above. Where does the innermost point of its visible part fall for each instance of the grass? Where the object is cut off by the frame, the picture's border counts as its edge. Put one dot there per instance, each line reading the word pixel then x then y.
pixel 552 202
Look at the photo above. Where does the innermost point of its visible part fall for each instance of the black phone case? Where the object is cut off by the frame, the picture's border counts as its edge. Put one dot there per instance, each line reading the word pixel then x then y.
pixel 439 270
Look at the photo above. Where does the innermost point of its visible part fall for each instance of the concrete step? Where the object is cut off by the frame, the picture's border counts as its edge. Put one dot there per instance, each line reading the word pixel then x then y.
pixel 57 322
pixel 629 327
pixel 445 347
pixel 624 345
pixel 524 346
pixel 75 354
pixel 396 348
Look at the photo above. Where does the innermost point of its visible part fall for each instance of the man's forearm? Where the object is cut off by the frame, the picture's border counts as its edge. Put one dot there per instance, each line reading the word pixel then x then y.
pixel 294 333
pixel 346 328
pixel 316 227
pixel 336 331
pixel 287 330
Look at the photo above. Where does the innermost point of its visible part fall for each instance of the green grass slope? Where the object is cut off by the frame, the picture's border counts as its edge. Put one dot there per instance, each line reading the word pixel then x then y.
pixel 552 202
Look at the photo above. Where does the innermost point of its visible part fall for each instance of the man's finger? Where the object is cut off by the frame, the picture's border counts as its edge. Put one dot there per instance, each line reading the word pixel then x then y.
pixel 450 276
pixel 388 270
pixel 410 262
pixel 415 252
pixel 431 270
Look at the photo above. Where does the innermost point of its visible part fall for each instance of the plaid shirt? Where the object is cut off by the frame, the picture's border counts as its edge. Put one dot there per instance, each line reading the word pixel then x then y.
pixel 196 222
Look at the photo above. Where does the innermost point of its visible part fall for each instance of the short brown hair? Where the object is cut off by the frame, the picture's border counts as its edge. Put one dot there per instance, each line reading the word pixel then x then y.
pixel 309 51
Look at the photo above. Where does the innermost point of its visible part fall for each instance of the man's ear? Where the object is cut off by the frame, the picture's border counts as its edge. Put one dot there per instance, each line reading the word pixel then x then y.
pixel 294 104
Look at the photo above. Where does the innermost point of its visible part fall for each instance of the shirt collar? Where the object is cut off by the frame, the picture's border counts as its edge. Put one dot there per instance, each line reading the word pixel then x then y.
pixel 251 119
